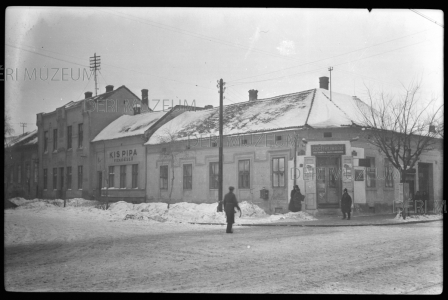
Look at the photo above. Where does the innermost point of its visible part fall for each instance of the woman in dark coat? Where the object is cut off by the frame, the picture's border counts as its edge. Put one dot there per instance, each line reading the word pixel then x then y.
pixel 295 204
pixel 346 205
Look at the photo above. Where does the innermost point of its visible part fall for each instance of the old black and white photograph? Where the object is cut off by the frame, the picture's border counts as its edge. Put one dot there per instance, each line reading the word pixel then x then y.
pixel 223 150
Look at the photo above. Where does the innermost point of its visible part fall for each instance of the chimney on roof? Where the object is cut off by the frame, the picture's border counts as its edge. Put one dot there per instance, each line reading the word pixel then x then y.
pixel 145 97
pixel 109 88
pixel 323 82
pixel 208 106
pixel 253 95
pixel 88 95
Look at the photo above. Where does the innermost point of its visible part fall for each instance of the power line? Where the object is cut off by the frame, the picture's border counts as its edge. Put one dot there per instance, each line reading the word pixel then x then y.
pixel 164 78
pixel 428 18
pixel 312 71
pixel 331 56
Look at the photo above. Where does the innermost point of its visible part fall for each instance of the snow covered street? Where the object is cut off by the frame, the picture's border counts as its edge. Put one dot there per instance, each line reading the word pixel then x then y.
pixel 50 248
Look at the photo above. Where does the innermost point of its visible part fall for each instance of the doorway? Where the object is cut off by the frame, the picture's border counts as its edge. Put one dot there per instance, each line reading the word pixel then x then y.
pixel 328 181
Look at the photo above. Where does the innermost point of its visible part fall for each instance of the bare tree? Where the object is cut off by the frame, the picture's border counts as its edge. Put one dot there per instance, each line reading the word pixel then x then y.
pixel 173 150
pixel 401 127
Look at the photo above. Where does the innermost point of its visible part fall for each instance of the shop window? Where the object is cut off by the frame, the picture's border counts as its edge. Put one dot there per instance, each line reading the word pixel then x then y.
pixel 163 177
pixel 134 176
pixel 111 176
pixel 122 177
pixel 244 174
pixel 371 173
pixel 188 176
pixel 214 175
pixel 278 172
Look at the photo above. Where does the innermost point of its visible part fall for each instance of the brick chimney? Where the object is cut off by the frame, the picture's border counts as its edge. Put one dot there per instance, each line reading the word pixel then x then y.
pixel 145 97
pixel 109 88
pixel 88 95
pixel 253 95
pixel 208 106
pixel 323 82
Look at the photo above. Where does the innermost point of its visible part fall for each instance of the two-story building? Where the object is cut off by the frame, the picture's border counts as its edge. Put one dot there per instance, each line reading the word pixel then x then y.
pixel 64 150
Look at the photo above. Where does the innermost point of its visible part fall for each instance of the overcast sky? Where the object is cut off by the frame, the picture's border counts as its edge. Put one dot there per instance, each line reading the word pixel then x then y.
pixel 180 53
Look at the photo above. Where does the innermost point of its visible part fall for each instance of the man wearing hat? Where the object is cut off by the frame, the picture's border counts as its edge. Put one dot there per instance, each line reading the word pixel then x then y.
pixel 346 204
pixel 230 203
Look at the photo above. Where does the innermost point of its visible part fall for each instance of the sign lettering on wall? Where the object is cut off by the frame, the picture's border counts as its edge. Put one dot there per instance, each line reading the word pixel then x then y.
pixel 328 149
pixel 124 155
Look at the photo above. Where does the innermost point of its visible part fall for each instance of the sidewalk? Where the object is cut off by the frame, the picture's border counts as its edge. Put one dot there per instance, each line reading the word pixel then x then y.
pixel 371 220
pixel 325 221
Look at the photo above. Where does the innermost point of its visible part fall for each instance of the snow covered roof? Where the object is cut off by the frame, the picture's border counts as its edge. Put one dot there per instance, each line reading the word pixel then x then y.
pixel 127 125
pixel 100 97
pixel 29 138
pixel 311 107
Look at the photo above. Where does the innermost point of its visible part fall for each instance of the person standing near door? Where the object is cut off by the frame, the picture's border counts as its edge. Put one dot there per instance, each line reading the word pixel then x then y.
pixel 346 205
pixel 230 203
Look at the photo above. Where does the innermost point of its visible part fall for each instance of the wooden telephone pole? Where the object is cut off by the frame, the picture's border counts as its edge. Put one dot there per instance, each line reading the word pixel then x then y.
pixel 95 65
pixel 221 84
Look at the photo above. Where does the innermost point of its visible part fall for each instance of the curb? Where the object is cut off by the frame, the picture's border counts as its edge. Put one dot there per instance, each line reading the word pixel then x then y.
pixel 322 225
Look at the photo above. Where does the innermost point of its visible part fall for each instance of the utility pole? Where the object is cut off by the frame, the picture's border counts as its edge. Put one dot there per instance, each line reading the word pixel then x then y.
pixel 330 69
pixel 221 84
pixel 95 63
pixel 23 125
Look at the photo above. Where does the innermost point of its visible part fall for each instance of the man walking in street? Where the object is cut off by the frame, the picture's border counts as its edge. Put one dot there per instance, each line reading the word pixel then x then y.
pixel 230 203
pixel 346 204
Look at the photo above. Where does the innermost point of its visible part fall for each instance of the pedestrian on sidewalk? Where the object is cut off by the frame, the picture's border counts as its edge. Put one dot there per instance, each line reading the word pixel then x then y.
pixel 346 205
pixel 230 203
pixel 295 203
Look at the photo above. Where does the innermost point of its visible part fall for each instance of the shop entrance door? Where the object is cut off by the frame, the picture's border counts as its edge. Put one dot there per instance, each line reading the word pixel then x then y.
pixel 328 181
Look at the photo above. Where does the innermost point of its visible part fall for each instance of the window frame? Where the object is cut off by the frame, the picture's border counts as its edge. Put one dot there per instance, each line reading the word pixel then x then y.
pixel 55 179
pixel 123 177
pixel 371 174
pixel 80 177
pixel 163 177
pixel 244 175
pixel 278 172
pixel 80 135
pixel 55 139
pixel 45 178
pixel 69 137
pixel 69 177
pixel 135 176
pixel 45 141
pixel 111 176
pixel 187 181
pixel 388 173
pixel 213 178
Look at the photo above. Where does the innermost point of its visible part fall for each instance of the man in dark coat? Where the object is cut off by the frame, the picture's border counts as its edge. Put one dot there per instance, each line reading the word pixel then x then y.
pixel 346 205
pixel 230 203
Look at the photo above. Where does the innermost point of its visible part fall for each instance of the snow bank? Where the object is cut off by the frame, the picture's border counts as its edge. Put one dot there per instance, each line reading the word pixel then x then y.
pixel 414 218
pixel 182 212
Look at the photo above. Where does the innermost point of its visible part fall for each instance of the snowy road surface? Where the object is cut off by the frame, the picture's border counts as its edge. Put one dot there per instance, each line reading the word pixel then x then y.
pixel 78 252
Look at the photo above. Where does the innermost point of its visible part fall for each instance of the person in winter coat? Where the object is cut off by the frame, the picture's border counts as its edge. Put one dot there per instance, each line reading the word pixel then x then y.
pixel 346 205
pixel 230 203
pixel 295 203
